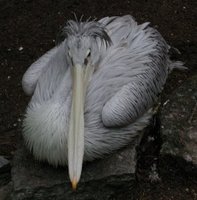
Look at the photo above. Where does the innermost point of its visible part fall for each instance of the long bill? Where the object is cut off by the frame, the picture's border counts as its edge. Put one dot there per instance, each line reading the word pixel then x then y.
pixel 76 127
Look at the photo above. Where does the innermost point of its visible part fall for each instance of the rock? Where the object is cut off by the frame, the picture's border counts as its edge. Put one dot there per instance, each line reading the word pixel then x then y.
pixel 3 163
pixel 105 179
pixel 5 191
pixel 179 122
pixel 5 178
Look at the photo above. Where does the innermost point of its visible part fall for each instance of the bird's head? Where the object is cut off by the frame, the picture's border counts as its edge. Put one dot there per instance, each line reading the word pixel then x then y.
pixel 81 51
pixel 84 43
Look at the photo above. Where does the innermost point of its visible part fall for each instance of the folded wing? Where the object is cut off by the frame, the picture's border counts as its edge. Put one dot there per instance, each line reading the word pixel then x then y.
pixel 31 76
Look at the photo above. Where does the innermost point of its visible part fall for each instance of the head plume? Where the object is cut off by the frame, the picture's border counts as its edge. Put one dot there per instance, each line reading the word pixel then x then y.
pixel 84 29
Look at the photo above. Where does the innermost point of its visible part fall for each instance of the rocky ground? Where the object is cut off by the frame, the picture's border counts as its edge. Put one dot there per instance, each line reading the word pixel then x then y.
pixel 29 28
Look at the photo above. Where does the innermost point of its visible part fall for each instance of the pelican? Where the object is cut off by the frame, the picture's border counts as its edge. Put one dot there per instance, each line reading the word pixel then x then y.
pixel 94 91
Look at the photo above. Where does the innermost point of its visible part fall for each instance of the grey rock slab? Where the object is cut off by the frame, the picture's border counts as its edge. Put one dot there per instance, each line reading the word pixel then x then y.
pixel 179 122
pixel 5 191
pixel 110 178
pixel 3 162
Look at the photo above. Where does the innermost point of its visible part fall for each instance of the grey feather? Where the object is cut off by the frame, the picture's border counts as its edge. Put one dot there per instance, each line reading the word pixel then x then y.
pixel 83 29
pixel 131 67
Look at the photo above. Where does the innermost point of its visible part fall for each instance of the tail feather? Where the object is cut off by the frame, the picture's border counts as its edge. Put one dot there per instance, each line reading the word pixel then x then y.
pixel 177 65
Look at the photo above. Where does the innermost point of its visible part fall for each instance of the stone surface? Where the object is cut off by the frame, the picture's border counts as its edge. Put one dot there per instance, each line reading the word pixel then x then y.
pixel 5 176
pixel 105 179
pixel 5 191
pixel 179 122
pixel 3 162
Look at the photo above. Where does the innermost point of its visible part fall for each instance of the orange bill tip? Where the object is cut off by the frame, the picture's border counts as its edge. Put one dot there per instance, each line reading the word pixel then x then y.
pixel 74 184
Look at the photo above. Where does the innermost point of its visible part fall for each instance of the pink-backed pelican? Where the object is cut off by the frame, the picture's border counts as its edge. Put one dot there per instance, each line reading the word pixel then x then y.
pixel 93 92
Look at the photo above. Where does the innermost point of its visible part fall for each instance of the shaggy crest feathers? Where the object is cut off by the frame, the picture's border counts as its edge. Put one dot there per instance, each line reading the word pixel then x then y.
pixel 84 29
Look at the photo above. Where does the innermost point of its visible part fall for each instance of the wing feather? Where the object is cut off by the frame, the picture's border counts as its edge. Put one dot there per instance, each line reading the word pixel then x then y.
pixel 145 63
pixel 33 73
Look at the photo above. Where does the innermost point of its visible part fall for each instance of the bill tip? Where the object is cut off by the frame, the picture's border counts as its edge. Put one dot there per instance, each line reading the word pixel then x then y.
pixel 74 184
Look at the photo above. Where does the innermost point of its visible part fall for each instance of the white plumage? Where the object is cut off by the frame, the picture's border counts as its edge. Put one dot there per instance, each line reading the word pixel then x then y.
pixel 131 65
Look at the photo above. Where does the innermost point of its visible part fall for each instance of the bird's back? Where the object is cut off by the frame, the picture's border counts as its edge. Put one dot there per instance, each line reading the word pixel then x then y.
pixel 138 54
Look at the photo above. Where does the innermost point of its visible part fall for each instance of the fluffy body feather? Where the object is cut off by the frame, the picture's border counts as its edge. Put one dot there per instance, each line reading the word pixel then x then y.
pixel 131 67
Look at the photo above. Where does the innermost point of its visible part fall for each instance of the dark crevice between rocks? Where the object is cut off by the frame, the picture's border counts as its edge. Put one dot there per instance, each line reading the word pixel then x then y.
pixel 149 149
pixel 148 154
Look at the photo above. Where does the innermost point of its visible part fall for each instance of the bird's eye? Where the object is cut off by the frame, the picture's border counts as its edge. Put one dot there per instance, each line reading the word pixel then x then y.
pixel 88 53
pixel 69 53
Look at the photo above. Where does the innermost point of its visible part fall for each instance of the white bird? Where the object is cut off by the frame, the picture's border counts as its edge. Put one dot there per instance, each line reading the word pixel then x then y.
pixel 93 92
